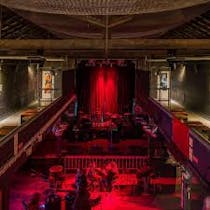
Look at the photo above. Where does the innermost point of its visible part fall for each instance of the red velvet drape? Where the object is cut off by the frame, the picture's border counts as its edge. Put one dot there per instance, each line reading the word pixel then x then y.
pixel 104 90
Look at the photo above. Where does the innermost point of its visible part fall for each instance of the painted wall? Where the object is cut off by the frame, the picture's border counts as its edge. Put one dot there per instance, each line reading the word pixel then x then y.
pixel 17 86
pixel 191 86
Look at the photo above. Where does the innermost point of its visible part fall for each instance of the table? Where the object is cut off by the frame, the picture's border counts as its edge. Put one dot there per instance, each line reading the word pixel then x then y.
pixel 26 115
pixel 126 180
pixel 158 182
pixel 55 175
pixel 6 129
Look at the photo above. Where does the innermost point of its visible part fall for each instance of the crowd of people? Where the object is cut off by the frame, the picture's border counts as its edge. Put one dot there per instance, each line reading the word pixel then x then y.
pixel 86 181
pixel 101 177
pixel 91 179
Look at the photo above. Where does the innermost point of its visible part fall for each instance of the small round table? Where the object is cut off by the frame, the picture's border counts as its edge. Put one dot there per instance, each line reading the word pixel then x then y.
pixel 55 174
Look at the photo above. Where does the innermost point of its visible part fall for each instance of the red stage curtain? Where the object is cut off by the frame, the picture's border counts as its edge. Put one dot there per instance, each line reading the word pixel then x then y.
pixel 103 89
pixel 181 136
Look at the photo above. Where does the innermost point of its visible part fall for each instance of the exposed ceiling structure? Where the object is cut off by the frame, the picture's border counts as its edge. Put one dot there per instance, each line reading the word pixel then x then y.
pixel 100 7
pixel 197 28
pixel 106 20
pixel 14 26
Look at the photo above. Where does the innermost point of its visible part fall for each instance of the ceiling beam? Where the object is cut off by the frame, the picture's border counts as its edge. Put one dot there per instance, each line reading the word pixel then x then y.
pixel 68 44
pixel 120 21
pixel 89 19
pixel 112 53
pixel 160 44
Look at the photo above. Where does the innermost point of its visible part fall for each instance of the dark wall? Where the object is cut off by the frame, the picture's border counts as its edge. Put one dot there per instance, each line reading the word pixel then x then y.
pixel 68 82
pixel 191 87
pixel 142 86
pixel 58 83
pixel 17 86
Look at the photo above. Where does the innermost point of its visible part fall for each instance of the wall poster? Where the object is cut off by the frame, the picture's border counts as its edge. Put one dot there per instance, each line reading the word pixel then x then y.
pixel 47 85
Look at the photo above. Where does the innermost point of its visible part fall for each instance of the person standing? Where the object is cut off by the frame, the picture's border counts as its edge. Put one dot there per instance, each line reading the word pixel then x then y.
pixel 82 201
pixel 206 203
pixel 58 130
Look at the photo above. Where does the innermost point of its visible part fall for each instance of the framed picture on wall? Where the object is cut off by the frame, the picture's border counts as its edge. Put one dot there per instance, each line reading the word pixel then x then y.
pixel 163 81
pixel 47 84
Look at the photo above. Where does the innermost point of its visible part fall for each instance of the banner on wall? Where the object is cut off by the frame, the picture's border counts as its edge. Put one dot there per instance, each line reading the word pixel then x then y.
pixel 47 85
pixel 181 136
pixel 200 155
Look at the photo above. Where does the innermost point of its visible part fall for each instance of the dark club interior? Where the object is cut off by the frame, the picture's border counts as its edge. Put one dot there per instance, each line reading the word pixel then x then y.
pixel 104 105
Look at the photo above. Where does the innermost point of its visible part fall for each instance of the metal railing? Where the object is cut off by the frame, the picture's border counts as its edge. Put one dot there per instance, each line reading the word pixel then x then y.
pixel 124 163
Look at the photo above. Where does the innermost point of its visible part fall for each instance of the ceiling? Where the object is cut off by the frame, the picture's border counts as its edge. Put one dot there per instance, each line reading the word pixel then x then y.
pixel 100 7
pixel 105 20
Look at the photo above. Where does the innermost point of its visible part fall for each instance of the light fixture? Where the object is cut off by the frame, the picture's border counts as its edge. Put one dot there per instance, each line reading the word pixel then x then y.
pixel 1 64
pixel 19 57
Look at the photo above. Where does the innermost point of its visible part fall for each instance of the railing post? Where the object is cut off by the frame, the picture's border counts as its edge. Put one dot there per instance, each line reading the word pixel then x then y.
pixel 16 144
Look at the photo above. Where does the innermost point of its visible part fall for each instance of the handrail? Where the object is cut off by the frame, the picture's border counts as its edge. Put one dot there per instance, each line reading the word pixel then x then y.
pixel 201 140
pixel 59 106
pixel 24 125
pixel 160 107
